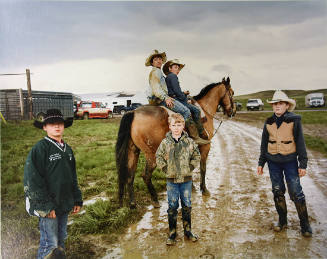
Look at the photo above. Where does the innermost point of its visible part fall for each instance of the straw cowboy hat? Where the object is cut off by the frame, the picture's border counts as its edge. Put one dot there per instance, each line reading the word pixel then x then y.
pixel 53 116
pixel 280 96
pixel 171 62
pixel 155 53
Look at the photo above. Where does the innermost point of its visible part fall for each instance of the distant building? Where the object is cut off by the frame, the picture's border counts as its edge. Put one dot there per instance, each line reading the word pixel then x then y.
pixel 116 98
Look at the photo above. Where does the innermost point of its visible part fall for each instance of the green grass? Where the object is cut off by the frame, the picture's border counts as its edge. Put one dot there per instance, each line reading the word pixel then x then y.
pixel 93 143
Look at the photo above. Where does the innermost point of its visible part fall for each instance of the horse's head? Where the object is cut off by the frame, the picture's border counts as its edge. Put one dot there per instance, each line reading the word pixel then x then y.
pixel 226 101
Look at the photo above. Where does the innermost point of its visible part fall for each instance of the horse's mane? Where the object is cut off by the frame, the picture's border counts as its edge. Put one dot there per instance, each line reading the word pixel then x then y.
pixel 205 90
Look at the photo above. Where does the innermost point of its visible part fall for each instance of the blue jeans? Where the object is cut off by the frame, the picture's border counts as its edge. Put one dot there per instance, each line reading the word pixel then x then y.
pixel 277 172
pixel 196 113
pixel 176 191
pixel 179 108
pixel 53 233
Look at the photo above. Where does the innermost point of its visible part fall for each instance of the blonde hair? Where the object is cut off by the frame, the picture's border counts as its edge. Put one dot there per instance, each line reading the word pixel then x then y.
pixel 178 118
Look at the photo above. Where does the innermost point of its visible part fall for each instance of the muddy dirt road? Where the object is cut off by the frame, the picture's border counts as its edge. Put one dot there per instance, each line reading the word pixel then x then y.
pixel 236 220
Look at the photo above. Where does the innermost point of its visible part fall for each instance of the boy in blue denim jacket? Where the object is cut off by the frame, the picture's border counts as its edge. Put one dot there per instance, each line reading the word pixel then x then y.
pixel 178 155
pixel 283 148
pixel 50 185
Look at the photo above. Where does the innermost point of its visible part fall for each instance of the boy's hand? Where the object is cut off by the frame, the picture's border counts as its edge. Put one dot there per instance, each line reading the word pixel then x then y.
pixel 52 215
pixel 76 209
pixel 302 172
pixel 260 170
pixel 169 102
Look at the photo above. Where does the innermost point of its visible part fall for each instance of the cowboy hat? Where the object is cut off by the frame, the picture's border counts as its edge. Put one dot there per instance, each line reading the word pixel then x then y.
pixel 155 53
pixel 280 96
pixel 53 116
pixel 170 63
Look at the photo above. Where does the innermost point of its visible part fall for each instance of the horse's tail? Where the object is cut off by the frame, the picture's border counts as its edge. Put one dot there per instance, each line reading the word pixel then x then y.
pixel 124 136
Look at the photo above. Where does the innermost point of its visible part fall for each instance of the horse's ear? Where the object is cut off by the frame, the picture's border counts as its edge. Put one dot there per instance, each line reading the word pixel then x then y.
pixel 228 80
pixel 223 80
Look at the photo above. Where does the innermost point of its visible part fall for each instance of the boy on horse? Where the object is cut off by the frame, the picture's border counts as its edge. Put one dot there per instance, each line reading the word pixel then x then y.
pixel 178 155
pixel 159 94
pixel 171 70
pixel 283 148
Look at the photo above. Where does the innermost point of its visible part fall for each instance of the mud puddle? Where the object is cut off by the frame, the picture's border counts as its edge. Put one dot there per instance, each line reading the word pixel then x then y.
pixel 236 220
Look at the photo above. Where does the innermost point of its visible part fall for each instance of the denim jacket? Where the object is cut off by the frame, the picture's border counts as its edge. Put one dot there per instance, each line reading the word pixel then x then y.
pixel 158 88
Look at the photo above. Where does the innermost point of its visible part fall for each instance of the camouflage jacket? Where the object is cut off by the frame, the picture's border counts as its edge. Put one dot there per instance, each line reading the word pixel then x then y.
pixel 158 91
pixel 178 159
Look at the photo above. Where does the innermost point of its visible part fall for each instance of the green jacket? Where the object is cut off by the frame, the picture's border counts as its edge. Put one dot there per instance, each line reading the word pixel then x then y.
pixel 50 181
pixel 178 159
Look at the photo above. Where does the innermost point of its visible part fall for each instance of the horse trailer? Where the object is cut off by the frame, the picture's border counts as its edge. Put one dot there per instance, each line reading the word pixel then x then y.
pixel 14 103
pixel 315 100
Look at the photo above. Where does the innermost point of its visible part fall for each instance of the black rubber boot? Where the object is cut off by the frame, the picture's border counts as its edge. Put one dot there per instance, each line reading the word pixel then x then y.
pixel 281 208
pixel 172 221
pixel 301 208
pixel 186 216
pixel 57 253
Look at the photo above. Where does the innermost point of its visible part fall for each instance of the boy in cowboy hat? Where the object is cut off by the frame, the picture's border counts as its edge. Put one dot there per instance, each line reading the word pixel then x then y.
pixel 195 127
pixel 50 185
pixel 159 92
pixel 177 155
pixel 283 148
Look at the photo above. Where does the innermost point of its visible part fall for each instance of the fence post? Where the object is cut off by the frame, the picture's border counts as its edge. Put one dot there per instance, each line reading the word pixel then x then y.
pixel 21 102
pixel 29 90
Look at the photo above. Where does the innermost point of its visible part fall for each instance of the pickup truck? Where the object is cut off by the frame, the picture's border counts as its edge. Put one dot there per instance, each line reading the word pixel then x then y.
pixel 254 104
pixel 89 109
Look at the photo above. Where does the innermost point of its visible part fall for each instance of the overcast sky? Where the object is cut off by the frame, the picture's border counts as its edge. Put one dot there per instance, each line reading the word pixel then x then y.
pixel 85 47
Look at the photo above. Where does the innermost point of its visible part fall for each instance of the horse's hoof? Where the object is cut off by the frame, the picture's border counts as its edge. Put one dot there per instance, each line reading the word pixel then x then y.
pixel 156 204
pixel 205 192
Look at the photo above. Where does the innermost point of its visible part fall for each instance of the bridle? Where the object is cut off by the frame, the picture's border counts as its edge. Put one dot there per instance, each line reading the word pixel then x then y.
pixel 214 116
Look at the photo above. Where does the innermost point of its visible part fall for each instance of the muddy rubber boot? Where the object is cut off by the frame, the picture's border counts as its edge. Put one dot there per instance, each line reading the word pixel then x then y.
pixel 301 208
pixel 172 221
pixel 57 253
pixel 194 134
pixel 186 216
pixel 281 208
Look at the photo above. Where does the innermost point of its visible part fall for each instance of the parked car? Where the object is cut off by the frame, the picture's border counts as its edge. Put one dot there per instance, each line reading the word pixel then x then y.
pixel 89 109
pixel 254 104
pixel 133 106
pixel 315 100
pixel 117 108
pixel 238 106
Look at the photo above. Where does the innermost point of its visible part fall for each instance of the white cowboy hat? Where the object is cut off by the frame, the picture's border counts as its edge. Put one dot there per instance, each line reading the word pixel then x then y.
pixel 155 53
pixel 166 66
pixel 280 96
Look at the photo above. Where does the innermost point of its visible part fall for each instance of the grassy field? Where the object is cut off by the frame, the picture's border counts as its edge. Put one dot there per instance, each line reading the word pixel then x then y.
pixel 93 143
pixel 298 95
pixel 314 125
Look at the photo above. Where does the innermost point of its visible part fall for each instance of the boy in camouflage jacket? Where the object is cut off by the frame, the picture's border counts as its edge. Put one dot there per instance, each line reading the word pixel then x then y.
pixel 177 156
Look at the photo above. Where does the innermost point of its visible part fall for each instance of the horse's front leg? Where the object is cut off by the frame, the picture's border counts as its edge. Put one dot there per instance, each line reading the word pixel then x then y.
pixel 147 175
pixel 203 188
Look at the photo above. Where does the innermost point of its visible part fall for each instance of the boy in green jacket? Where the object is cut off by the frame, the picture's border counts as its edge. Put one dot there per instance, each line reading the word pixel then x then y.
pixel 178 155
pixel 50 185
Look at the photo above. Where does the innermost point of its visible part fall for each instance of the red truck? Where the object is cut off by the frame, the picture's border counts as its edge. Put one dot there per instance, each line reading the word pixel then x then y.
pixel 89 109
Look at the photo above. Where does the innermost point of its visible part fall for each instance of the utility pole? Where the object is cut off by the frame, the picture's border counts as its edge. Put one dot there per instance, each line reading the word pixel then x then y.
pixel 29 90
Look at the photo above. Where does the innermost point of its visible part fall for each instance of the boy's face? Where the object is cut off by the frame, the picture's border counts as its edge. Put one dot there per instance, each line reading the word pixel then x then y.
pixel 157 62
pixel 54 130
pixel 280 108
pixel 176 128
pixel 174 69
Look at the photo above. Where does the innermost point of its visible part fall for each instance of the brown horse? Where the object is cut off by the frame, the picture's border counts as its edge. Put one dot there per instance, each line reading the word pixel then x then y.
pixel 144 128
